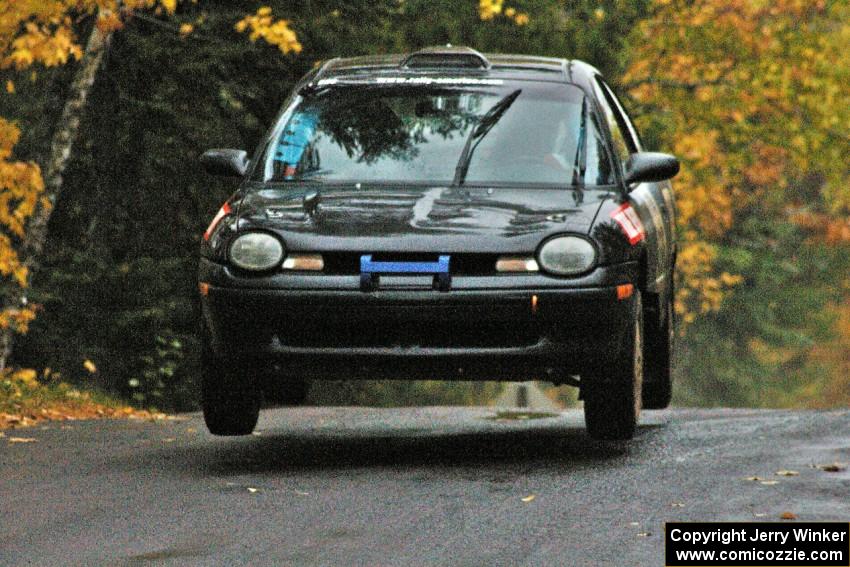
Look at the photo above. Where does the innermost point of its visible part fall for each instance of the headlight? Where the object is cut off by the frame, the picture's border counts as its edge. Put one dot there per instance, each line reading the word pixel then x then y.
pixel 256 251
pixel 566 255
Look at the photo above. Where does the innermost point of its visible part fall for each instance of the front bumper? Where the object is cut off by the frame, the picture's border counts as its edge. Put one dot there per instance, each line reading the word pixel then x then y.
pixel 505 327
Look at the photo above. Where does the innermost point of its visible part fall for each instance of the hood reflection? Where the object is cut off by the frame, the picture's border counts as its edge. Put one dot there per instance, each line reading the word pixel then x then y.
pixel 437 210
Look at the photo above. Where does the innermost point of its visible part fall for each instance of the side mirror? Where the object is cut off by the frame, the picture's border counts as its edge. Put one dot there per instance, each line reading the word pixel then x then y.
pixel 645 167
pixel 229 163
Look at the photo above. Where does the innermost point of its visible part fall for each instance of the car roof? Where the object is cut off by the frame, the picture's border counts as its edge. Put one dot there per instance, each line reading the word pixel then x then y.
pixel 453 60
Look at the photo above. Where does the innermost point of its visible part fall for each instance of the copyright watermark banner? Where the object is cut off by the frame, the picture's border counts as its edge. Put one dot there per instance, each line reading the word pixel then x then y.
pixel 757 544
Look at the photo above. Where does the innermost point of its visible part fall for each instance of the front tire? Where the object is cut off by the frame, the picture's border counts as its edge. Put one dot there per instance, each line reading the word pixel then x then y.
pixel 612 401
pixel 230 399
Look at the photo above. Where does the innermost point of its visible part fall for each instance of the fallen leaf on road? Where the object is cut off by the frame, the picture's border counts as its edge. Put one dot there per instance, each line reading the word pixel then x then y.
pixel 677 505
pixel 644 534
pixel 191 430
pixel 252 490
pixel 788 516
pixel 302 493
pixel 833 467
pixel 633 524
pixel 513 415
pixel 169 440
pixel 759 515
pixel 22 440
pixel 528 498
pixel 769 482
pixel 784 472
pixel 256 433
pixel 754 478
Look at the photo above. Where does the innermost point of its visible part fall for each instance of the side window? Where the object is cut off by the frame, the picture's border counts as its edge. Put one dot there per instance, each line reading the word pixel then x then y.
pixel 618 139
pixel 614 101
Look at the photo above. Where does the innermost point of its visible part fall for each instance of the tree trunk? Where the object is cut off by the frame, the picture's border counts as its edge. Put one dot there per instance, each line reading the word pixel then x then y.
pixel 54 169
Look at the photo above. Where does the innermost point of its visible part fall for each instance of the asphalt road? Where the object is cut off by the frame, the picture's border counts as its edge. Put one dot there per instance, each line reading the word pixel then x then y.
pixel 415 486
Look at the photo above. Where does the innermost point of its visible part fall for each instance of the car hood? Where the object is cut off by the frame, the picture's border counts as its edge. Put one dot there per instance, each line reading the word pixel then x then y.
pixel 418 219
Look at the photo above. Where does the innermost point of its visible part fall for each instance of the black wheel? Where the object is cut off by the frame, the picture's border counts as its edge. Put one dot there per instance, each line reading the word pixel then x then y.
pixel 230 398
pixel 279 391
pixel 658 368
pixel 612 400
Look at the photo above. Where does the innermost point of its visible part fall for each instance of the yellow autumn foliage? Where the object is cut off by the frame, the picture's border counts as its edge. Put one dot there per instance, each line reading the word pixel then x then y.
pixel 753 99
pixel 42 32
pixel 21 187
pixel 263 25
pixel 37 32
pixel 489 9
pixel 27 399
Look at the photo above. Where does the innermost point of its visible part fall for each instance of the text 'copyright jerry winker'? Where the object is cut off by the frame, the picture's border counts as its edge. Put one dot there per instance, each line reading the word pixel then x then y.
pixel 764 544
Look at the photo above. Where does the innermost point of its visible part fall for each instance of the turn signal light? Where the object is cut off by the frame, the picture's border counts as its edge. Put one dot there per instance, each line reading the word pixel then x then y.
pixel 517 264
pixel 222 212
pixel 625 291
pixel 304 262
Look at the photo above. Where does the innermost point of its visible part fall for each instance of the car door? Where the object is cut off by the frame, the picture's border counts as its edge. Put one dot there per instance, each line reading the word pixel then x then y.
pixel 654 201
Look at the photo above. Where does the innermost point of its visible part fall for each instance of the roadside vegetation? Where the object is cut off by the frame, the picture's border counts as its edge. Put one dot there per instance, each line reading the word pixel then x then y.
pixel 27 399
pixel 747 93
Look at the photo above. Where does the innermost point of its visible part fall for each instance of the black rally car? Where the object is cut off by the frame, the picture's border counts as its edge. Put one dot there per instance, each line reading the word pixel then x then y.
pixel 443 215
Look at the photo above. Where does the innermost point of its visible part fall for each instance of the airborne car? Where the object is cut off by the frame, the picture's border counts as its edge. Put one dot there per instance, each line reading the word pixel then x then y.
pixel 443 215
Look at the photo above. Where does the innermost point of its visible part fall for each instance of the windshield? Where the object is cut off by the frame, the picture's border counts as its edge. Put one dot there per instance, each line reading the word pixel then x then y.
pixel 513 133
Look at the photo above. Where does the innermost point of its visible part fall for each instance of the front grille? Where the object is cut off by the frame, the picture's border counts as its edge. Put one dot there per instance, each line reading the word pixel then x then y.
pixel 348 263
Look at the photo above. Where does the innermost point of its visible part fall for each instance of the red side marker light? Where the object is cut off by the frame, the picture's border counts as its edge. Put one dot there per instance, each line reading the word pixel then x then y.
pixel 629 221
pixel 204 288
pixel 534 305
pixel 625 291
pixel 222 212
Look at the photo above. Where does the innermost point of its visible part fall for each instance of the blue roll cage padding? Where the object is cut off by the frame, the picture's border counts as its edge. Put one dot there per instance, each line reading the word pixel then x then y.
pixel 295 138
pixel 367 266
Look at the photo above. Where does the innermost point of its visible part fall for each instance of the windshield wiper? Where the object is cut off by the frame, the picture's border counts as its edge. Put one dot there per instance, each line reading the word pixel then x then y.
pixel 488 120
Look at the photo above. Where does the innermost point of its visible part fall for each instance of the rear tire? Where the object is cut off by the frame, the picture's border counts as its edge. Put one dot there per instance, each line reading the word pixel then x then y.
pixel 230 399
pixel 612 401
pixel 658 366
